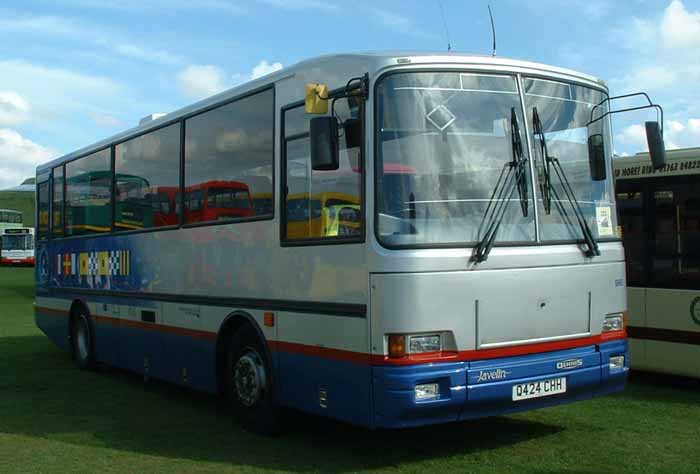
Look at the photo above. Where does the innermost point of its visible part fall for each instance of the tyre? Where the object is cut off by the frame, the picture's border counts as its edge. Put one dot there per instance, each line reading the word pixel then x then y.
pixel 249 383
pixel 83 341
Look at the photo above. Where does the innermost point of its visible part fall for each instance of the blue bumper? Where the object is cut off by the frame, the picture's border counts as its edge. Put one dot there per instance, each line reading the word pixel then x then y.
pixel 485 388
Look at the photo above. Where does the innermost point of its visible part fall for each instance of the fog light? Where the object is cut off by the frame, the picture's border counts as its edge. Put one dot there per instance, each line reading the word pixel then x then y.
pixel 614 322
pixel 428 343
pixel 427 391
pixel 617 362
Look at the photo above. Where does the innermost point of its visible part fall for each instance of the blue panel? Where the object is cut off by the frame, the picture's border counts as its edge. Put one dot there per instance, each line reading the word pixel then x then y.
pixel 346 383
pixel 489 388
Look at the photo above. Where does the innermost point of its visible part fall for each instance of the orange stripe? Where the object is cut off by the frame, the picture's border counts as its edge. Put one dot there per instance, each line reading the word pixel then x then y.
pixel 316 351
pixel 193 333
pixel 362 358
pixel 482 354
pixel 51 311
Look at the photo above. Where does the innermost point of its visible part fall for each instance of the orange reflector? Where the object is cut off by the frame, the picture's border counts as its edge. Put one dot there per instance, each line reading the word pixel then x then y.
pixel 397 345
pixel 625 314
pixel 269 319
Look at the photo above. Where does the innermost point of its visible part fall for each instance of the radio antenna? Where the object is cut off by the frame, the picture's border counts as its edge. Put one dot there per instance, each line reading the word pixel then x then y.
pixel 493 33
pixel 444 24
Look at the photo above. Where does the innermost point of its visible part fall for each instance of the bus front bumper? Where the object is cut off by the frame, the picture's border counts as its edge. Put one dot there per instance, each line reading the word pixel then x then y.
pixel 17 261
pixel 478 389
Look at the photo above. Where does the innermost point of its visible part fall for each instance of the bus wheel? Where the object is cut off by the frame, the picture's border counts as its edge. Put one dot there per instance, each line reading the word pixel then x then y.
pixel 83 341
pixel 249 383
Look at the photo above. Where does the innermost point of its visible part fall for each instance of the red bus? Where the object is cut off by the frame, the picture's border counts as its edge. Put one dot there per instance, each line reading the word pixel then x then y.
pixel 217 200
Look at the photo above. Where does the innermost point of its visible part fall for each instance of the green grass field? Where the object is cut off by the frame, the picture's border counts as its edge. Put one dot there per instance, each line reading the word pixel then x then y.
pixel 57 419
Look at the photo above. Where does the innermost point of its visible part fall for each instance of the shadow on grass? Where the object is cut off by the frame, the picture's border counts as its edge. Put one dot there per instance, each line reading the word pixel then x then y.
pixel 649 386
pixel 43 395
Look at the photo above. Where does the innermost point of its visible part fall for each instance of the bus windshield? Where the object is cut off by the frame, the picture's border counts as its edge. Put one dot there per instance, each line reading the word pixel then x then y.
pixel 564 111
pixel 17 242
pixel 452 131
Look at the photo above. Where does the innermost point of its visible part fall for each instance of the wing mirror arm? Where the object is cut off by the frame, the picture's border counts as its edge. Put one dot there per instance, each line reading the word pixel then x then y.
pixel 654 132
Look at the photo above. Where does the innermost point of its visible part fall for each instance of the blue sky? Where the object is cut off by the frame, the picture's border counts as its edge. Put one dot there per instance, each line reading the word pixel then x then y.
pixel 75 71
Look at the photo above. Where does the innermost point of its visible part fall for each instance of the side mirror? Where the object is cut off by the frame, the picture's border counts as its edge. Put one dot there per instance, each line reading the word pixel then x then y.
pixel 596 157
pixel 655 140
pixel 324 144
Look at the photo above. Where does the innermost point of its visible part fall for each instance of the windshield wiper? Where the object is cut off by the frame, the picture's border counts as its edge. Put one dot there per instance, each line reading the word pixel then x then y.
pixel 513 177
pixel 548 190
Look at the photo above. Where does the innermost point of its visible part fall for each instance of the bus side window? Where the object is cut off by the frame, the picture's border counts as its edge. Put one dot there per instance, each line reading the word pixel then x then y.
pixel 321 205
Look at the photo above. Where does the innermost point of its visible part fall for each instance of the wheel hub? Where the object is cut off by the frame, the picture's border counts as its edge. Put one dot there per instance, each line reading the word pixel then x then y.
pixel 83 343
pixel 249 378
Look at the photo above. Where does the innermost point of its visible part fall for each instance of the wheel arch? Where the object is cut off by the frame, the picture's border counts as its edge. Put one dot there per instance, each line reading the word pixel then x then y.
pixel 232 323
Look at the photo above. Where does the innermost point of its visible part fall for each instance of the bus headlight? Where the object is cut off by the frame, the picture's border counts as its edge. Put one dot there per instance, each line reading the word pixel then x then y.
pixel 614 322
pixel 424 343
pixel 427 391
pixel 617 363
pixel 401 345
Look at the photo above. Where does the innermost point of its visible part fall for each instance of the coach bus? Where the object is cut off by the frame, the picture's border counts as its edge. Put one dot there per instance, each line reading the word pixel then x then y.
pixel 497 285
pixel 17 245
pixel 660 219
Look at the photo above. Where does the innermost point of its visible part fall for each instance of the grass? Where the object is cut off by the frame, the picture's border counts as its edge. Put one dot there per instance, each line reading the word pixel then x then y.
pixel 22 201
pixel 55 418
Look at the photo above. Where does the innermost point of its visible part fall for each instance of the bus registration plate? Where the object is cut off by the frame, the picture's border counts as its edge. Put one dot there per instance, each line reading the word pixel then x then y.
pixel 539 388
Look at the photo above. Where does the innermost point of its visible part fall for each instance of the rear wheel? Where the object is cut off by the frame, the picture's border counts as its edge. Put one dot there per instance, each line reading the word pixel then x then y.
pixel 249 384
pixel 83 341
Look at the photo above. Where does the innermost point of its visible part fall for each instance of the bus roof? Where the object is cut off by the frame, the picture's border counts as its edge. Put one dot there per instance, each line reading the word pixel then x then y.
pixel 681 161
pixel 335 70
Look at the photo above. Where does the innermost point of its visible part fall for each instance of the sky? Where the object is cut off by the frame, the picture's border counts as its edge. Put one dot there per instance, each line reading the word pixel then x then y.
pixel 73 72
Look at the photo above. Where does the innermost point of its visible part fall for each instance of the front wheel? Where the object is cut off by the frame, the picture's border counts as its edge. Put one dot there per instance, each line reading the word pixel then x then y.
pixel 83 342
pixel 249 383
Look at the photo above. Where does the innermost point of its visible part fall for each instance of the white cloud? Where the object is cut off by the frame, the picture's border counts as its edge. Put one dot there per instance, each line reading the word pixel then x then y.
pixel 677 134
pixel 88 35
pixel 14 109
pixel 19 157
pixel 68 91
pixel 199 81
pixel 664 51
pixel 679 27
pixel 264 68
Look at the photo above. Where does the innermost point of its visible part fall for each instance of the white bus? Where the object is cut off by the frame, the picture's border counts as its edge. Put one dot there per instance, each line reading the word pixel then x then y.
pixel 440 243
pixel 660 218
pixel 10 218
pixel 17 246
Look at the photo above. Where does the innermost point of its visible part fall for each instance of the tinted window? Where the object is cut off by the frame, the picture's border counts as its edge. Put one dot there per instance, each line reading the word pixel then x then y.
pixel 229 159
pixel 43 205
pixel 57 218
pixel 322 204
pixel 660 222
pixel 147 176
pixel 88 194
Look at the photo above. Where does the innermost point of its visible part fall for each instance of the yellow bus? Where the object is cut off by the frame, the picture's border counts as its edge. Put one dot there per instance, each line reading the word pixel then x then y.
pixel 322 215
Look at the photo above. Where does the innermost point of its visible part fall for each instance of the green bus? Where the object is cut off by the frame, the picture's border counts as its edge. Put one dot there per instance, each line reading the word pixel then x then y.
pixel 88 208
pixel 10 219
pixel 659 216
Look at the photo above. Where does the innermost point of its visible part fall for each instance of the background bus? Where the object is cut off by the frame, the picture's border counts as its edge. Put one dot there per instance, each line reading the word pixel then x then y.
pixel 10 218
pixel 17 246
pixel 660 219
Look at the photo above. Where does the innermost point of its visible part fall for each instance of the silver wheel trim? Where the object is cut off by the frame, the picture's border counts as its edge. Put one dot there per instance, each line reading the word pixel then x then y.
pixel 82 338
pixel 249 378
